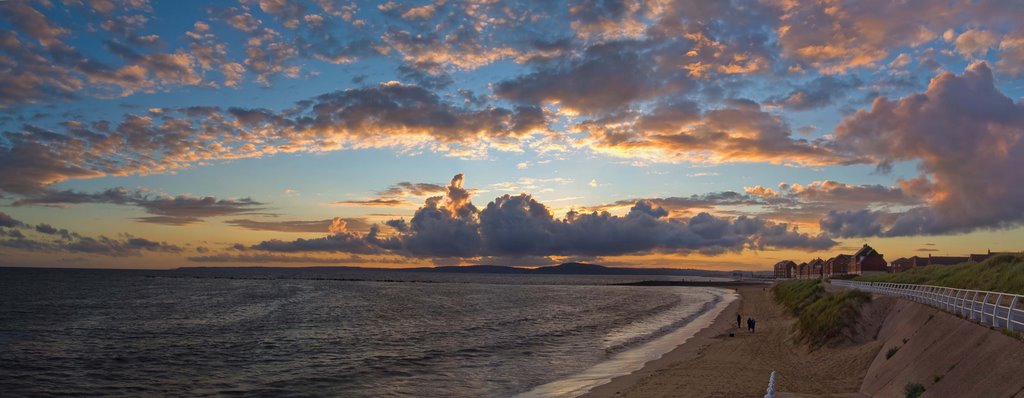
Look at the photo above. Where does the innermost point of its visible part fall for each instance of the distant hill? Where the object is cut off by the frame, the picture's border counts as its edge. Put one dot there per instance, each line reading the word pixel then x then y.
pixel 569 269
pixel 473 269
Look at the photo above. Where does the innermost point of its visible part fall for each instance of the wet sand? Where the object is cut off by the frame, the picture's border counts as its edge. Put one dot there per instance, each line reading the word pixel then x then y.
pixel 712 364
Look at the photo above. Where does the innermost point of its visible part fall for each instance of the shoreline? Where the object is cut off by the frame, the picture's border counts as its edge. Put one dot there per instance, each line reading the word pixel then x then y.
pixel 635 359
pixel 713 364
pixel 688 350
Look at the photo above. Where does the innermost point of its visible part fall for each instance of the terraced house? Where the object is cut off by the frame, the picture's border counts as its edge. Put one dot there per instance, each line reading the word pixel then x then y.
pixel 865 261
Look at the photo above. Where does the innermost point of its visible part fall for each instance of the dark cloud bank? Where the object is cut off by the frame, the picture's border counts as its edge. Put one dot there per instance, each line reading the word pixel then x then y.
pixel 518 225
pixel 169 210
pixel 47 238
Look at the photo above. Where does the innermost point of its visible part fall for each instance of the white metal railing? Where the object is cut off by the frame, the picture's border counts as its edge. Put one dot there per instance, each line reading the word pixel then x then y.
pixel 1000 310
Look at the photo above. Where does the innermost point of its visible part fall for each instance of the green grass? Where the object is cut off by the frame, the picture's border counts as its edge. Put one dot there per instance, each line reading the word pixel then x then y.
pixel 796 295
pixel 822 316
pixel 1002 273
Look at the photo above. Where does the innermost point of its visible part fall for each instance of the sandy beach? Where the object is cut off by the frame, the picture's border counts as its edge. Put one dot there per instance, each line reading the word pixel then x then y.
pixel 712 364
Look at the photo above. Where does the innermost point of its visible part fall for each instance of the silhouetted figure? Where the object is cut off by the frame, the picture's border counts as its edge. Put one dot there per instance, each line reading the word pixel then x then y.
pixel 753 325
pixel 750 324
pixel 738 319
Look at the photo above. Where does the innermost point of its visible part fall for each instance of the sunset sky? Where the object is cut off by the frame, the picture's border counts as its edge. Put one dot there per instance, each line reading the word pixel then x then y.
pixel 698 134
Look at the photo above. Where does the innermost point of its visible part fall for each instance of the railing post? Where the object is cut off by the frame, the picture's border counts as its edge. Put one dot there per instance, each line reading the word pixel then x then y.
pixel 995 310
pixel 956 298
pixel 974 300
pixel 983 304
pixel 964 302
pixel 1009 314
pixel 770 392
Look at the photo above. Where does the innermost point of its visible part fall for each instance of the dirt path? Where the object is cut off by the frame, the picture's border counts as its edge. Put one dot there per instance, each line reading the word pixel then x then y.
pixel 716 365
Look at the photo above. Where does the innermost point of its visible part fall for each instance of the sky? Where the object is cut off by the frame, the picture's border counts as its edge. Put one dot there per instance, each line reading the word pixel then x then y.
pixel 688 134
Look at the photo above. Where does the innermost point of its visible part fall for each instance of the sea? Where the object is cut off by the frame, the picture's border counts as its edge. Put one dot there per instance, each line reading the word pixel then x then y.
pixel 333 332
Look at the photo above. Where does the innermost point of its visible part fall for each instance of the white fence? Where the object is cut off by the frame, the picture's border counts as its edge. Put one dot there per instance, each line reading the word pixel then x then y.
pixel 1000 310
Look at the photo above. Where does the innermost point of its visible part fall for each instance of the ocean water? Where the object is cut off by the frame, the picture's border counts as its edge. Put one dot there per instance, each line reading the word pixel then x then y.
pixel 325 332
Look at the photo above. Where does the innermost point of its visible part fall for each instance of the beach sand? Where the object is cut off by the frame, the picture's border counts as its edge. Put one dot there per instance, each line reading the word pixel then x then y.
pixel 712 364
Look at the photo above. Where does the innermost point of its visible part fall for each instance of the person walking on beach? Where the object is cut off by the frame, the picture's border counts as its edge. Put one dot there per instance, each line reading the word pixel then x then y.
pixel 753 325
pixel 750 324
pixel 738 319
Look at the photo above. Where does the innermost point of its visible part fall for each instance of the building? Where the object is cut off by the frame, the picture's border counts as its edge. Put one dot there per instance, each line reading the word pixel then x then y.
pixel 838 265
pixel 816 269
pixel 946 260
pixel 801 271
pixel 868 261
pixel 977 258
pixel 785 269
pixel 903 263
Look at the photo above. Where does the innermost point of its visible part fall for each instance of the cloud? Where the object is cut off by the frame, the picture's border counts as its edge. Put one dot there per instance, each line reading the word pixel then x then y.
pixel 1011 55
pixel 901 61
pixel 72 242
pixel 42 66
pixel 841 194
pixel 316 226
pixel 626 75
pixel 851 224
pixel 450 226
pixel 608 19
pixel 51 230
pixel 397 110
pixel 10 222
pixel 699 202
pixel 966 138
pixel 788 203
pixel 171 210
pixel 406 188
pixel 28 166
pixel 118 248
pixel 975 42
pixel 390 115
pixel 341 241
pixel 179 210
pixel 820 92
pixel 378 202
pixel 740 131
pixel 276 258
pixel 834 38
pixel 837 37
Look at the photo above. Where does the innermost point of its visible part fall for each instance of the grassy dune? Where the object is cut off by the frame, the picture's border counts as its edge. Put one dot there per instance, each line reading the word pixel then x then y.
pixel 1002 273
pixel 822 316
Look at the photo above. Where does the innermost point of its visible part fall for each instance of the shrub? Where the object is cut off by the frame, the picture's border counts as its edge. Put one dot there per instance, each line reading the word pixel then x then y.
pixel 891 352
pixel 797 295
pixel 822 316
pixel 827 318
pixel 913 390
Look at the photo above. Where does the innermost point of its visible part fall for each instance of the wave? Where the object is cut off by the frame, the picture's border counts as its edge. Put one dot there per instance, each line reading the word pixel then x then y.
pixel 637 351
